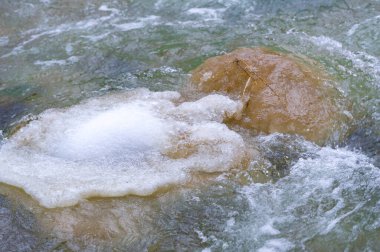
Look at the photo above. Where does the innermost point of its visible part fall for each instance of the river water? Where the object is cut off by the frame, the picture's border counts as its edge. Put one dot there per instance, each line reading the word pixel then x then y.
pixel 89 102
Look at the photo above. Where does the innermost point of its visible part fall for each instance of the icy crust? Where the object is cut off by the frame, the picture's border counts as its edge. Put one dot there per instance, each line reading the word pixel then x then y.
pixel 130 143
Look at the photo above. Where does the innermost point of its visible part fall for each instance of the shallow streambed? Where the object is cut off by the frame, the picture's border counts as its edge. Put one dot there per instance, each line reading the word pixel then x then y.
pixel 80 62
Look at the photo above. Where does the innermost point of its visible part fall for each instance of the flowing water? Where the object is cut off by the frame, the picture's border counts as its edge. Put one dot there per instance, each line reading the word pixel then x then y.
pixel 100 153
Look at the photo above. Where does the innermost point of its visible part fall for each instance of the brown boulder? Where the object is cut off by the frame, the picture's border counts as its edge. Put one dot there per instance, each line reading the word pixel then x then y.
pixel 281 93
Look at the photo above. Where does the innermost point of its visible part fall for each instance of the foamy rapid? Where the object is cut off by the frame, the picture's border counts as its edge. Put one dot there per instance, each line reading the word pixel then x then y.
pixel 130 143
pixel 323 196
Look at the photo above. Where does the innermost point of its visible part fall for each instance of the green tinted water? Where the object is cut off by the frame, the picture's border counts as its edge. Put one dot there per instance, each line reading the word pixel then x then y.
pixel 57 53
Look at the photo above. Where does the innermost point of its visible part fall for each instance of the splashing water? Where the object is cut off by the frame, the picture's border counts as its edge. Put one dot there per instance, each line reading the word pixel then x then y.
pixel 76 127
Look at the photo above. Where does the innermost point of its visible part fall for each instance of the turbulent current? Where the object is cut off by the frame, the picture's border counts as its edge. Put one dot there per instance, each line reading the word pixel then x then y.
pixel 103 147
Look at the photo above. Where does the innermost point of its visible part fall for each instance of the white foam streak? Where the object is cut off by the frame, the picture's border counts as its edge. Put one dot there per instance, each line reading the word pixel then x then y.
pixel 207 13
pixel 95 38
pixel 319 195
pixel 54 31
pixel 4 41
pixel 353 29
pixel 269 229
pixel 141 23
pixel 276 245
pixel 360 60
pixel 49 63
pixel 334 222
pixel 106 8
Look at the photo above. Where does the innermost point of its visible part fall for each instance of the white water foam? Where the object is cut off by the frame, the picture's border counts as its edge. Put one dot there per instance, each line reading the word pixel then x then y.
pixel 206 13
pixel 4 41
pixel 276 245
pixel 130 143
pixel 355 27
pixel 62 62
pixel 141 23
pixel 360 60
pixel 33 35
pixel 319 197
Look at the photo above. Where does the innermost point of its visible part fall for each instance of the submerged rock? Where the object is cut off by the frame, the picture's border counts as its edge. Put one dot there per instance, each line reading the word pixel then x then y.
pixel 18 227
pixel 281 93
pixel 9 110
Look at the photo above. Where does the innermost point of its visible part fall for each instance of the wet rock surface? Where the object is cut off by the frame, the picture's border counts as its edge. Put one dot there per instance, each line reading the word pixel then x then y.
pixel 21 232
pixel 282 93
pixel 283 151
pixel 367 139
pixel 9 110
pixel 18 227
